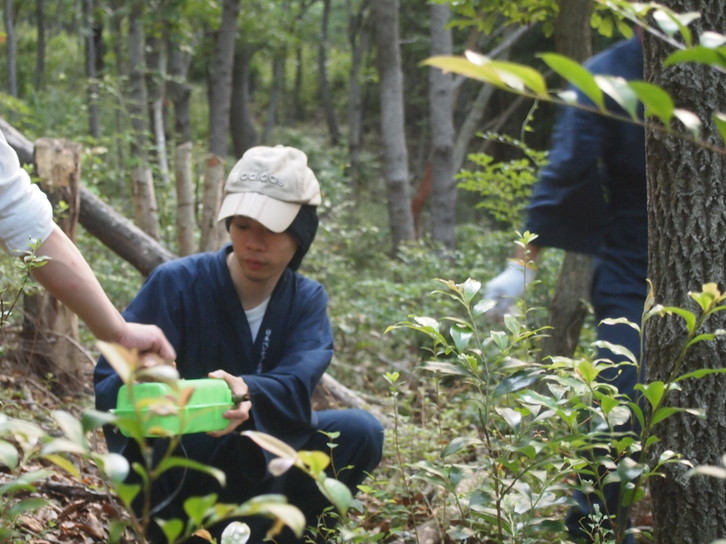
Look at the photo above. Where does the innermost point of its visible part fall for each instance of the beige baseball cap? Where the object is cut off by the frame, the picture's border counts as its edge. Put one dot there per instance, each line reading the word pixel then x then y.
pixel 270 184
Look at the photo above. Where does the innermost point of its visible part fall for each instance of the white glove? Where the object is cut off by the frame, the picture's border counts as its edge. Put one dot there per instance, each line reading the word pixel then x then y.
pixel 507 287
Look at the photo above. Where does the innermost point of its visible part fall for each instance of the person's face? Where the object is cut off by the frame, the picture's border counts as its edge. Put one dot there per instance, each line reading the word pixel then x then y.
pixel 262 254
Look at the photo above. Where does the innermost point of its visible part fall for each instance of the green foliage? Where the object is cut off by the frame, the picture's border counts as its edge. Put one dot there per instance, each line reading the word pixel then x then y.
pixel 505 186
pixel 520 79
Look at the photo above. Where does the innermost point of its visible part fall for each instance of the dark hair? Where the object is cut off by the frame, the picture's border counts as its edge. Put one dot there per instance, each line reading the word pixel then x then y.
pixel 302 229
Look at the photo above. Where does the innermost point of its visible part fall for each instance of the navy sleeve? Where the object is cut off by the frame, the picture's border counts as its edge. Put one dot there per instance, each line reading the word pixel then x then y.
pixel 281 394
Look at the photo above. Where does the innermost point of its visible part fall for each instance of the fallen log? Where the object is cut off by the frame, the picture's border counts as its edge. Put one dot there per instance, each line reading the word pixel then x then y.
pixel 113 229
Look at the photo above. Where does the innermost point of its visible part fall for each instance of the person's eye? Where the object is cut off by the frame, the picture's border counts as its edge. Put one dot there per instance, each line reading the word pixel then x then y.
pixel 241 226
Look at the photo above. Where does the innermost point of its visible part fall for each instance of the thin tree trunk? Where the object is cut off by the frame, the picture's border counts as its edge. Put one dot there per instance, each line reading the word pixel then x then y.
pixel 328 106
pixel 116 23
pixel 157 66
pixel 244 133
pixel 89 39
pixel 146 212
pixel 393 134
pixel 180 92
pixel 40 46
pixel 359 33
pixel 278 79
pixel 220 92
pixel 686 230
pixel 11 48
pixel 444 191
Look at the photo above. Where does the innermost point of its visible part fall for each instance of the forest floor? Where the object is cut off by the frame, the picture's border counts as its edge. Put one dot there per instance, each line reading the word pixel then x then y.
pixel 78 507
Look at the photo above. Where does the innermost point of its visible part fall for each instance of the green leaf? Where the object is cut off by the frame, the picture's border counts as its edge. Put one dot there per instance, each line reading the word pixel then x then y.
pixel 576 75
pixel 512 417
pixel 618 89
pixel 483 306
pixel 71 427
pixel 8 455
pixel 719 119
pixel 658 103
pixel 699 54
pixel 183 462
pixel 337 493
pixel 469 289
pixel 664 412
pixel 516 382
pixel 172 528
pixel 688 317
pixel 65 464
pixel 459 443
pixel 26 505
pixel 461 337
pixel 444 368
pixel 198 507
pixel 700 373
pixel 316 461
pixel 653 391
pixel 271 444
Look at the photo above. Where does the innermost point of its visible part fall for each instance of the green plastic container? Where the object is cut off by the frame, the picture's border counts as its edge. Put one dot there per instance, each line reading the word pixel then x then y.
pixel 162 414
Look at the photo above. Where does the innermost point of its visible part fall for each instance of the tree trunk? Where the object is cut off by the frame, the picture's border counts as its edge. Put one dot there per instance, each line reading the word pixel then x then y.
pixel 444 190
pixel 11 48
pixel 359 33
pixel 687 227
pixel 328 106
pixel 570 303
pixel 40 47
pixel 157 75
pixel 94 124
pixel 116 32
pixel 179 92
pixel 244 133
pixel 278 79
pixel 146 212
pixel 396 172
pixel 220 92
pixel 52 327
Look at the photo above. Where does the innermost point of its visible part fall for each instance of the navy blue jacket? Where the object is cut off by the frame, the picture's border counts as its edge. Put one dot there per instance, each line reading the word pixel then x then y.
pixel 591 197
pixel 194 301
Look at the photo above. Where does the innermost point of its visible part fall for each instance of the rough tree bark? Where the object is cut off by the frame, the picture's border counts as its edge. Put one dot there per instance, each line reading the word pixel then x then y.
pixel 323 84
pixel 396 170
pixel 687 227
pixel 94 123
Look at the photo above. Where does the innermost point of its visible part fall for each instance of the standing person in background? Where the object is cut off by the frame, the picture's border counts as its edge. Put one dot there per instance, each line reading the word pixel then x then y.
pixel 591 198
pixel 26 216
pixel 246 316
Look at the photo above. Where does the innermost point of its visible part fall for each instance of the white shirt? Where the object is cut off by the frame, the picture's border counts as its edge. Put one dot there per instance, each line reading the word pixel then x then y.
pixel 255 315
pixel 26 215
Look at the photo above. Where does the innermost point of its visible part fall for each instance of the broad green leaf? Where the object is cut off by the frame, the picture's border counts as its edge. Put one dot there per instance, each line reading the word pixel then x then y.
pixel 271 444
pixel 316 461
pixel 705 337
pixel 699 54
pixel 280 465
pixel 444 368
pixel 461 337
pixel 687 316
pixel 183 462
pixel 458 444
pixel 653 391
pixel 197 507
pixel 516 382
pixel 337 493
pixel 127 493
pixel 469 289
pixel 71 427
pixel 26 505
pixel 93 419
pixel 172 528
pixel 512 417
pixel 616 349
pixel 658 103
pixel 700 373
pixel 587 371
pixel 672 23
pixel 664 412
pixel 8 455
pixel 65 464
pixel 576 75
pixel 618 89
pixel 483 306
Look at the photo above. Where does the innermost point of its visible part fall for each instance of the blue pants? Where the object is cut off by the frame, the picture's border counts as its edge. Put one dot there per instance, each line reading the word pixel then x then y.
pixel 358 452
pixel 625 378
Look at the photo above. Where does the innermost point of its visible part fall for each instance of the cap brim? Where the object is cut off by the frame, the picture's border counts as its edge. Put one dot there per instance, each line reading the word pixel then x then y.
pixel 274 214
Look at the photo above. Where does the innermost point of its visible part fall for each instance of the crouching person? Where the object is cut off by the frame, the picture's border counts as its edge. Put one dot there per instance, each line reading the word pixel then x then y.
pixel 246 316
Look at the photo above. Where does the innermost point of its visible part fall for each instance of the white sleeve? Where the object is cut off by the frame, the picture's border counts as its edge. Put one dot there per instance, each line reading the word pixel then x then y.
pixel 26 215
